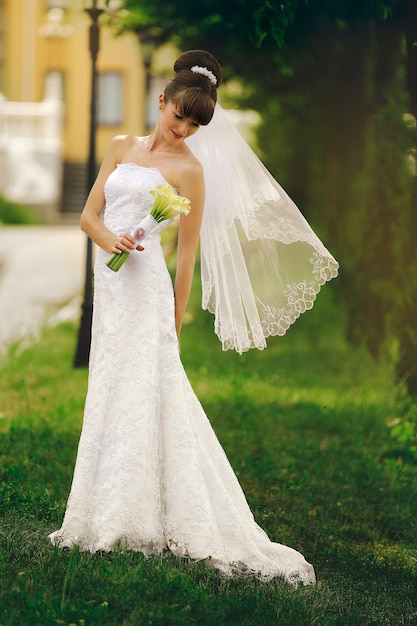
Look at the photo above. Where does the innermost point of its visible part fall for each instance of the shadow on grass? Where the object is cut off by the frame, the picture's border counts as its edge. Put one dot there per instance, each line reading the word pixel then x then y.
pixel 328 495
pixel 303 426
pixel 51 586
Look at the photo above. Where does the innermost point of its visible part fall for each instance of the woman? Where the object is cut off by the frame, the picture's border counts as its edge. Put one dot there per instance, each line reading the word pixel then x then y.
pixel 150 473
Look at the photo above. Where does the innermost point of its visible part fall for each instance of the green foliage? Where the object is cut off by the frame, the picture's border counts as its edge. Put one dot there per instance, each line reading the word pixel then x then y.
pixel 241 23
pixel 244 22
pixel 403 431
pixel 381 8
pixel 304 426
pixel 355 178
pixel 12 213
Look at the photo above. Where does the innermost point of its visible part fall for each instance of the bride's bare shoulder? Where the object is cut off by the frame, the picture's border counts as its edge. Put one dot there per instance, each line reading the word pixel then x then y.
pixel 126 141
pixel 125 145
pixel 192 166
pixel 189 174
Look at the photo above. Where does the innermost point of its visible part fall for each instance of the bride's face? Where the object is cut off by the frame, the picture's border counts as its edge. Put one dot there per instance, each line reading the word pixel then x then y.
pixel 175 127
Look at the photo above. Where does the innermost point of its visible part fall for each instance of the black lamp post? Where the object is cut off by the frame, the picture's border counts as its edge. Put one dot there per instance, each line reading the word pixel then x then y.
pixel 84 333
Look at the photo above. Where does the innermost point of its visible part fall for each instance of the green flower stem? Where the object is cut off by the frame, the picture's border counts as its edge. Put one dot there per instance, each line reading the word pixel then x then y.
pixel 166 204
pixel 115 261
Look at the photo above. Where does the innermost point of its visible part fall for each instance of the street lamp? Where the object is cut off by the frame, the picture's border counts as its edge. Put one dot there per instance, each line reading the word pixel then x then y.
pixel 84 333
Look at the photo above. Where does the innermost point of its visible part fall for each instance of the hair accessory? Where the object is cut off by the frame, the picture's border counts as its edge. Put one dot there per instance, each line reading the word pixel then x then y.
pixel 203 70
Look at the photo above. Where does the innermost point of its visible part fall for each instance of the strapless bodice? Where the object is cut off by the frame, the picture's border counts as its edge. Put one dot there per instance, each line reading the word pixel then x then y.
pixel 128 197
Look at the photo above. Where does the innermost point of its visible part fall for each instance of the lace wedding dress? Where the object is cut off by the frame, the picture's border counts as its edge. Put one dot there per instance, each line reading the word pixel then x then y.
pixel 150 473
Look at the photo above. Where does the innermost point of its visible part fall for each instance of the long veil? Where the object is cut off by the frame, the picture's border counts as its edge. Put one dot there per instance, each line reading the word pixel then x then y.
pixel 261 263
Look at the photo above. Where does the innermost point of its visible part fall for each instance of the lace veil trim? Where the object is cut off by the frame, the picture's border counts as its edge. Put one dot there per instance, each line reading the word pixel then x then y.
pixel 261 263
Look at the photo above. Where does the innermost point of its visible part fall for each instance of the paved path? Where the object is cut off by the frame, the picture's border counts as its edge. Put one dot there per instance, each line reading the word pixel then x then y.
pixel 41 278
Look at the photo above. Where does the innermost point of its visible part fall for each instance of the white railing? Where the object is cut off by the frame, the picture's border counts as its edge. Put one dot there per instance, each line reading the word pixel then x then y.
pixel 31 152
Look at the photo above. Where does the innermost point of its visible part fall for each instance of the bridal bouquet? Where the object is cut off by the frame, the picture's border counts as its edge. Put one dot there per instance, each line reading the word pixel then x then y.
pixel 166 205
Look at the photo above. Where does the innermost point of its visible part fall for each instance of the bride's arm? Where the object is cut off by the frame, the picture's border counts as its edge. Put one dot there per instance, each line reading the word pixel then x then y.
pixel 90 221
pixel 192 187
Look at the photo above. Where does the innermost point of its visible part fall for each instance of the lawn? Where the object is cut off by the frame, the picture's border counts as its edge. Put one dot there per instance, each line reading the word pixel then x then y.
pixel 304 424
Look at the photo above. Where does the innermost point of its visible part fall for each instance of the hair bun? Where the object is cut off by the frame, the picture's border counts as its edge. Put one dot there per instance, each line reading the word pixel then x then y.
pixel 200 58
pixel 193 88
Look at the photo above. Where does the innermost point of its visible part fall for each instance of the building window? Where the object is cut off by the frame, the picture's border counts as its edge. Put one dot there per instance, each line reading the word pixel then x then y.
pixel 110 98
pixel 53 88
pixel 156 85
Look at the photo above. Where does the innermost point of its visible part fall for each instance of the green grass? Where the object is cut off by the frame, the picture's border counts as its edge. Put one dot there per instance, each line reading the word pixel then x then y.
pixel 13 213
pixel 304 424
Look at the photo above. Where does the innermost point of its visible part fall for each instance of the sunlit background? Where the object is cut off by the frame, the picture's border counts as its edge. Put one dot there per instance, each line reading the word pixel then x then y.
pixel 333 85
pixel 45 78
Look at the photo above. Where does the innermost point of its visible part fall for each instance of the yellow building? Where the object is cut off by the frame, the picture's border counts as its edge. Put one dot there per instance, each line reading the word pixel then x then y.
pixel 44 50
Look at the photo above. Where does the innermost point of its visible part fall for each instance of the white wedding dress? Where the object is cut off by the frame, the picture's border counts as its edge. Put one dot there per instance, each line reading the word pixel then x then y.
pixel 150 473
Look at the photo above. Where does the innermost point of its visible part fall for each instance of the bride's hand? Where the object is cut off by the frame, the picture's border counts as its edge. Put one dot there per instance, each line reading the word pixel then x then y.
pixel 125 242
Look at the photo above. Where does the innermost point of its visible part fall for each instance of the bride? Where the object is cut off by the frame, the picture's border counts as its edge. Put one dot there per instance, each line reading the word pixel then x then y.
pixel 150 473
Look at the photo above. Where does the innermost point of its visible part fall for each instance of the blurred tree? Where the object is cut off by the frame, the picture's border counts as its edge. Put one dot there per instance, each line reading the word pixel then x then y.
pixel 358 157
pixel 332 82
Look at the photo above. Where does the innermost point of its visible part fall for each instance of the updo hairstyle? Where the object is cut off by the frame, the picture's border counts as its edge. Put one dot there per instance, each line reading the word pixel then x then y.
pixel 194 93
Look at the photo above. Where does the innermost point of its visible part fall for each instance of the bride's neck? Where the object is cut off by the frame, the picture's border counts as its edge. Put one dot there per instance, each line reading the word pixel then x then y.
pixel 156 143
